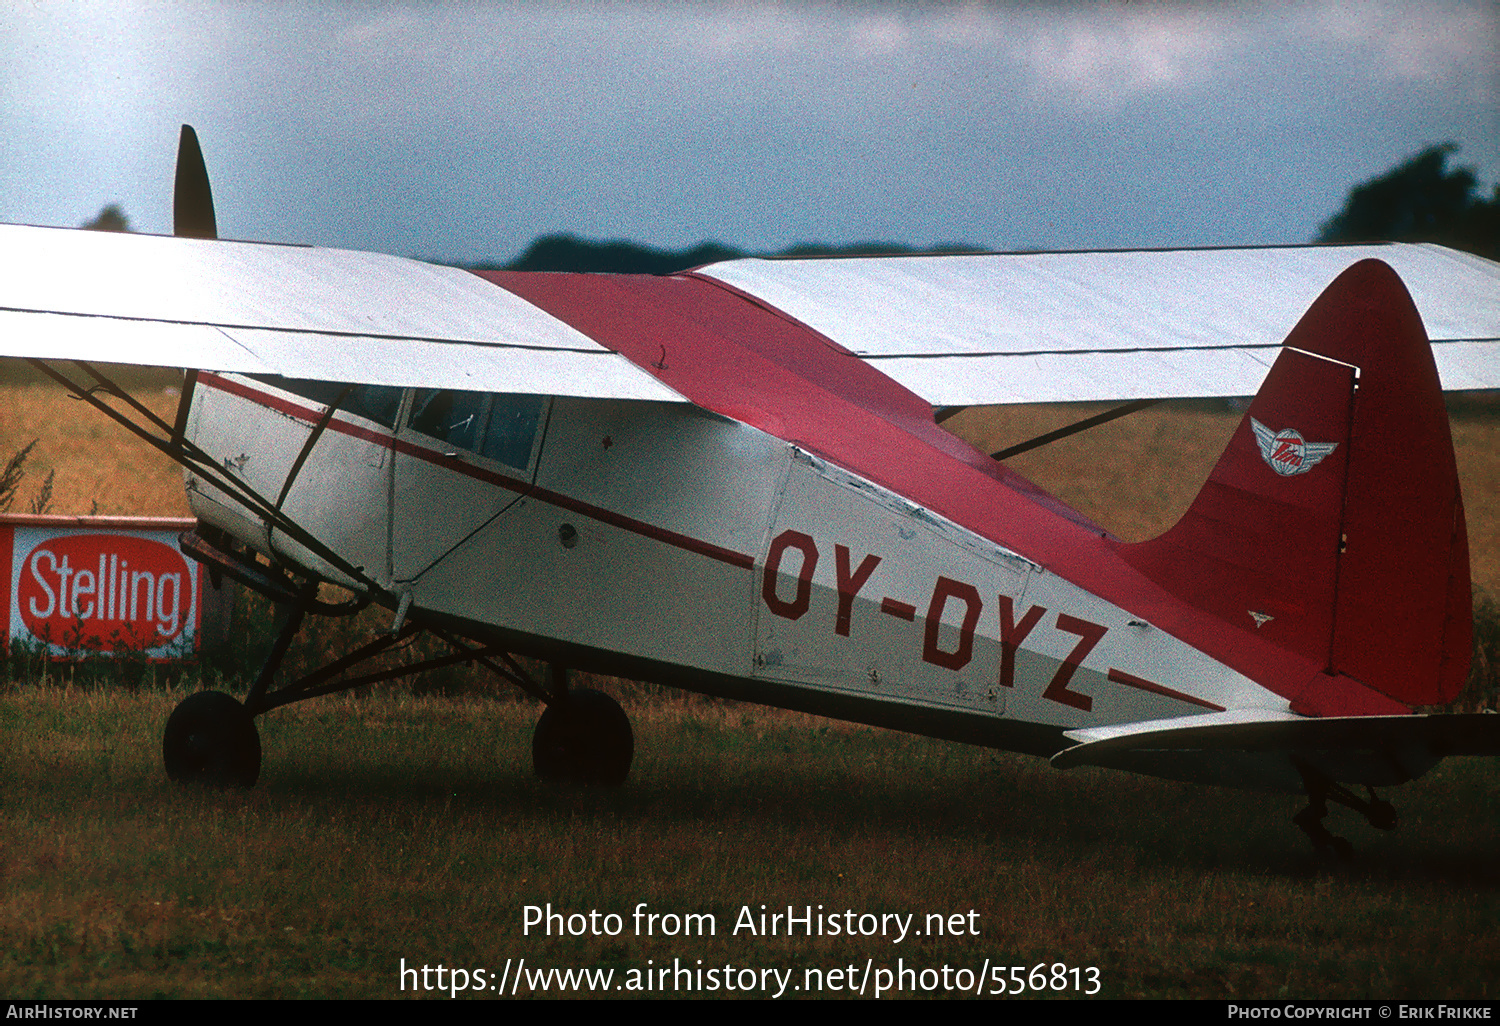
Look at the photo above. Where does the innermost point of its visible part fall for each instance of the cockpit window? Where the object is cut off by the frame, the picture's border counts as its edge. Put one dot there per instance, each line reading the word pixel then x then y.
pixel 512 429
pixel 379 403
pixel 455 417
pixel 502 428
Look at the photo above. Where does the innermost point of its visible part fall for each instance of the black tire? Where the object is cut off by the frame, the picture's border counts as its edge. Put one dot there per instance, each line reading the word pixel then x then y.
pixel 586 740
pixel 1382 816
pixel 210 739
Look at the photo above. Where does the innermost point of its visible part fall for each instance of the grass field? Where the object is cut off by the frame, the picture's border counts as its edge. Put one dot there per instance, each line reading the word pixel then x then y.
pixel 398 826
pixel 392 827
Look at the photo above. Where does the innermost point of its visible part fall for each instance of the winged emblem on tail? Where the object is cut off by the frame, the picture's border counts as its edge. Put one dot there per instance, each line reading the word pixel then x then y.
pixel 1286 451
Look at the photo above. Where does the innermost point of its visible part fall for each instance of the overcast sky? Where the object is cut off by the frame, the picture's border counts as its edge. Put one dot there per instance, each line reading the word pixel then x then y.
pixel 462 131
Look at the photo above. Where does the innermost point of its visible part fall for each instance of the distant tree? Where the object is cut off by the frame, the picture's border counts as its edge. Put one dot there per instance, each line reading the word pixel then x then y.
pixel 1422 200
pixel 570 253
pixel 110 219
pixel 872 249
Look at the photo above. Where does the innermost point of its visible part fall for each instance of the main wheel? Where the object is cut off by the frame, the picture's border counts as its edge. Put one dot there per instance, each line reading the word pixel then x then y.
pixel 1382 815
pixel 586 739
pixel 211 739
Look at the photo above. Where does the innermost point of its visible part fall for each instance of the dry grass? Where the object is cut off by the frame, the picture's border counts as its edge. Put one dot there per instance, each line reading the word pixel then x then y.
pixel 100 467
pixel 1476 441
pixel 1137 475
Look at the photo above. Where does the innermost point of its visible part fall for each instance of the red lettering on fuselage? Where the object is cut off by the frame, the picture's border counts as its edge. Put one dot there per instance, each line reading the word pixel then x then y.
pixel 849 584
pixel 948 588
pixel 1088 636
pixel 799 603
pixel 1011 636
pixel 850 580
pixel 900 610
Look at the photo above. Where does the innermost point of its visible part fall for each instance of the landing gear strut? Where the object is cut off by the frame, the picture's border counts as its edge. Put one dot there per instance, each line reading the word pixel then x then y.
pixel 210 738
pixel 1379 813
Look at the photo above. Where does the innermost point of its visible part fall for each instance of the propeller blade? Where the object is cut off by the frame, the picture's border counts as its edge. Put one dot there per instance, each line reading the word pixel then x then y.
pixel 192 198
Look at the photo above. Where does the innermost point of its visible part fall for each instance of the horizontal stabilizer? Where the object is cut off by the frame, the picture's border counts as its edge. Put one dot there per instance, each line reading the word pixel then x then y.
pixel 1257 748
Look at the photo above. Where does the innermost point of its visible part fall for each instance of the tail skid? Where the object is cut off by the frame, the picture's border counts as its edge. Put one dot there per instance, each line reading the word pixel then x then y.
pixel 1333 526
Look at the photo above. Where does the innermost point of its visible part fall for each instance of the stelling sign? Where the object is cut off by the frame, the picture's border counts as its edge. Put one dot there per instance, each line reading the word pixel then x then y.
pixel 86 586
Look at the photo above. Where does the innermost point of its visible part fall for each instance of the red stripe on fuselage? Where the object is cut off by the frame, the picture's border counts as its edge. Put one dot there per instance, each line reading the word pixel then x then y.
pixel 311 415
pixel 1141 684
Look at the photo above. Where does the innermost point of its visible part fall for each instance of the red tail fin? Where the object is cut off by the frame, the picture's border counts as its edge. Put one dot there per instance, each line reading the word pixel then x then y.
pixel 1332 525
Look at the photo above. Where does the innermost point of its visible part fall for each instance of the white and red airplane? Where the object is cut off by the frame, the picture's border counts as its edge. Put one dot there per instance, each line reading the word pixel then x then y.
pixel 732 480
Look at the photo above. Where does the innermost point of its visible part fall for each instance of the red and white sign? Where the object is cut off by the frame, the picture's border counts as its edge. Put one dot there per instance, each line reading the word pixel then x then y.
pixel 100 586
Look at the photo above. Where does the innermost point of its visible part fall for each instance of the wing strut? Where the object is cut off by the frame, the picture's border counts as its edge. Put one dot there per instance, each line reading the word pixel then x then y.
pixel 312 440
pixel 195 459
pixel 1073 429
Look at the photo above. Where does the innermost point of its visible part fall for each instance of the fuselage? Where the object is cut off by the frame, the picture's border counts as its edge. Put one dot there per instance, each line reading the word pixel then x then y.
pixel 684 479
pixel 668 542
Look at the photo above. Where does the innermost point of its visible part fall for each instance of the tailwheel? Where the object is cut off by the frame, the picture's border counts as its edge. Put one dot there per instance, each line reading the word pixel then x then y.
pixel 584 737
pixel 1381 814
pixel 211 739
pixel 1321 789
pixel 1326 844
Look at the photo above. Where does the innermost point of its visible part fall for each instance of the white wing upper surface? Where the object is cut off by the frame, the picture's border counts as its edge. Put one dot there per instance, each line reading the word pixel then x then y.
pixel 956 330
pixel 1039 327
pixel 298 311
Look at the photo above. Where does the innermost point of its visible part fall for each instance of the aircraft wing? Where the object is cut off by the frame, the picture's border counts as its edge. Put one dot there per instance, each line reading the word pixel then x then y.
pixel 296 311
pixel 1142 324
pixel 955 330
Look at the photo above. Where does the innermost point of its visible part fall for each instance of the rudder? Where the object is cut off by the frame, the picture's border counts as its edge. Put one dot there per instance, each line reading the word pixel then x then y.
pixel 1333 525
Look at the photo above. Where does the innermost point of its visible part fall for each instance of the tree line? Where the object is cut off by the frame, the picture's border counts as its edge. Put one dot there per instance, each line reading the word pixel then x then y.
pixel 1423 199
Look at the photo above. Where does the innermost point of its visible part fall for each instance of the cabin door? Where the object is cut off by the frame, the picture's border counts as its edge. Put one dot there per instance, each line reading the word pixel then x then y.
pixel 462 460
